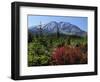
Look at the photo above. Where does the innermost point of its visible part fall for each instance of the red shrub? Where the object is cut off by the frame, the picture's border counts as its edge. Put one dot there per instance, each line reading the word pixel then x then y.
pixel 57 55
pixel 67 55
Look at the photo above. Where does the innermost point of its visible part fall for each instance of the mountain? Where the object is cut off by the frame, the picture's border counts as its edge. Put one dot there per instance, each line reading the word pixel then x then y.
pixel 65 28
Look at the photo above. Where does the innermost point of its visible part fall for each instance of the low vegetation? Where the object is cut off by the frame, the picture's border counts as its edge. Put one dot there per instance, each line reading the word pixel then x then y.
pixel 56 50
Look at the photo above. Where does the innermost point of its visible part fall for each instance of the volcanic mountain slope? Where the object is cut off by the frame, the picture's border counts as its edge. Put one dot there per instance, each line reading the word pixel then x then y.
pixel 65 28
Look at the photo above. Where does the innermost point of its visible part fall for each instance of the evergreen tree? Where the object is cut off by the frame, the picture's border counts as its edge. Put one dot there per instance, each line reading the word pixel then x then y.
pixel 58 33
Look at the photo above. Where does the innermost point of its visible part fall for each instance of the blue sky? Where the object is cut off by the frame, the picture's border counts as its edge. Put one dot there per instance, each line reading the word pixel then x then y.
pixel 34 20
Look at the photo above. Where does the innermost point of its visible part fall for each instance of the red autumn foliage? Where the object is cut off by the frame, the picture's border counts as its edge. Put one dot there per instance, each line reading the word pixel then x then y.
pixel 68 55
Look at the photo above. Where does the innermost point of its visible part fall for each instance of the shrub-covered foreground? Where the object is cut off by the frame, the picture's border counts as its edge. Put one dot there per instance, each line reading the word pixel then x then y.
pixel 46 50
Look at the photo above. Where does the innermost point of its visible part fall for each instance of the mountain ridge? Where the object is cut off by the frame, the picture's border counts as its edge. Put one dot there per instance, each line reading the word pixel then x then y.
pixel 63 28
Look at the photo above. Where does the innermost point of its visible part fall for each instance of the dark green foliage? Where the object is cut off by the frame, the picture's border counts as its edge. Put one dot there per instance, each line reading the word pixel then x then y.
pixel 30 36
pixel 58 33
pixel 40 47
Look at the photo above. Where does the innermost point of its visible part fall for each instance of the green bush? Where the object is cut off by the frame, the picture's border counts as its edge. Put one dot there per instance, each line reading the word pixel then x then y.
pixel 40 48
